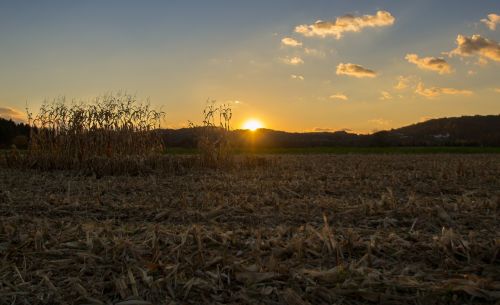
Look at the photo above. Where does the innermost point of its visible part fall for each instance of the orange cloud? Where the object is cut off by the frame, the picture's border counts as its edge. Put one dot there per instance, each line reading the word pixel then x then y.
pixel 384 95
pixel 346 23
pixel 492 21
pixel 293 60
pixel 355 71
pixel 13 114
pixel 433 92
pixel 321 129
pixel 381 122
pixel 314 52
pixel 339 96
pixel 287 41
pixel 430 63
pixel 477 45
pixel 297 77
pixel 403 82
pixel 425 119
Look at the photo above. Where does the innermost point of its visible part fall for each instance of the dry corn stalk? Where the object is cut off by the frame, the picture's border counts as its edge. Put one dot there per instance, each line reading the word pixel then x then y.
pixel 112 126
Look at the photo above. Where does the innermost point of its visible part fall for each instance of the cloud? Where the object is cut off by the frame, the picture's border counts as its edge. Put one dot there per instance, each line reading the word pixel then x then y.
pixel 477 45
pixel 403 82
pixel 384 95
pixel 481 62
pixel 497 90
pixel 314 52
pixel 293 60
pixel 290 42
pixel 433 92
pixel 346 23
pixel 297 77
pixel 339 96
pixel 430 63
pixel 320 129
pixel 354 70
pixel 492 21
pixel 13 114
pixel 425 119
pixel 380 122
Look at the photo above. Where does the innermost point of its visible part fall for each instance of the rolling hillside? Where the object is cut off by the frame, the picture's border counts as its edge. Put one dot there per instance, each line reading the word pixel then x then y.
pixel 458 131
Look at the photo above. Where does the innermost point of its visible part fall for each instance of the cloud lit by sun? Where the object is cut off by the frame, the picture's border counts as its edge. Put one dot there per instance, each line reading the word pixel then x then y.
pixel 252 124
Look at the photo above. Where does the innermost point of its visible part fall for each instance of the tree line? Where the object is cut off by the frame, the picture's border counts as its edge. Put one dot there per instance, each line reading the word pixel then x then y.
pixel 12 133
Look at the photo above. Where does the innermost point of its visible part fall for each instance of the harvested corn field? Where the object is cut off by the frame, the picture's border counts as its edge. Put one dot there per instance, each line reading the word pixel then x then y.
pixel 323 229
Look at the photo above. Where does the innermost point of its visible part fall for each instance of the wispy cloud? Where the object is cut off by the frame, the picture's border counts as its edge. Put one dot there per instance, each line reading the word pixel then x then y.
pixel 320 129
pixel 384 95
pixel 314 52
pixel 339 96
pixel 355 71
pixel 403 82
pixel 380 122
pixel 346 23
pixel 290 42
pixel 11 113
pixel 425 119
pixel 433 92
pixel 430 63
pixel 477 45
pixel 297 77
pixel 481 61
pixel 293 60
pixel 492 21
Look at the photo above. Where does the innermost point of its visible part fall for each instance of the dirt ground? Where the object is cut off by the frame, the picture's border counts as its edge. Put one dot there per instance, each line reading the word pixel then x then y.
pixel 316 229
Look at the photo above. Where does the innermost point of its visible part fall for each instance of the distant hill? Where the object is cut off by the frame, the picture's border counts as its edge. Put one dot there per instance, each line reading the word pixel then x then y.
pixel 458 131
pixel 466 130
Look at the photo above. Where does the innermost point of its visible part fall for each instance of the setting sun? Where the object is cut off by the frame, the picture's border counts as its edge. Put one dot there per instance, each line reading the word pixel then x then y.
pixel 252 125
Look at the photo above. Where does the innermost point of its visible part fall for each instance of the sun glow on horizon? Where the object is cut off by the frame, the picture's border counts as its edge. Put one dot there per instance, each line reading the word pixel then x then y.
pixel 252 124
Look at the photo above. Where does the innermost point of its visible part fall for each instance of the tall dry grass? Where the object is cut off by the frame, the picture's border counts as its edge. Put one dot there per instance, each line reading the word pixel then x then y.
pixel 116 134
pixel 214 136
pixel 111 126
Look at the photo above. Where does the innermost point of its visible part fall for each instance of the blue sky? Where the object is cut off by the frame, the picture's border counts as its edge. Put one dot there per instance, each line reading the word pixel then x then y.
pixel 179 53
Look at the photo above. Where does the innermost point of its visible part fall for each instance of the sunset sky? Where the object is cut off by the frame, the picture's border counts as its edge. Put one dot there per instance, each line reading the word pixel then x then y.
pixel 366 65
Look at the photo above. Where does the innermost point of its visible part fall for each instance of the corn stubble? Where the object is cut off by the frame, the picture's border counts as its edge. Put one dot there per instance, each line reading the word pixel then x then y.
pixel 322 229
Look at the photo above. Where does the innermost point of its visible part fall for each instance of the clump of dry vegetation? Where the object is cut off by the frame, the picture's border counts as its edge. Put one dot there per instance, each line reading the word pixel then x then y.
pixel 112 126
pixel 214 142
pixel 112 131
pixel 323 229
pixel 116 135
